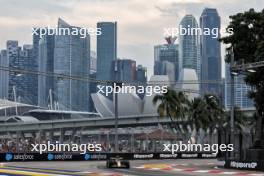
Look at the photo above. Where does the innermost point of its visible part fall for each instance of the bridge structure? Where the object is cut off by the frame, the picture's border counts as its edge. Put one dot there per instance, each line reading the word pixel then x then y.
pixel 91 123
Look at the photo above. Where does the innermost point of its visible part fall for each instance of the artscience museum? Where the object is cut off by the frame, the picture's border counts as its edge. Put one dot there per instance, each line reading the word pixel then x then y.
pixel 130 104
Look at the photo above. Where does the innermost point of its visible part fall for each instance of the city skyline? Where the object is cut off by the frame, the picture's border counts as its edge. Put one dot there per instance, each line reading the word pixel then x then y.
pixel 134 41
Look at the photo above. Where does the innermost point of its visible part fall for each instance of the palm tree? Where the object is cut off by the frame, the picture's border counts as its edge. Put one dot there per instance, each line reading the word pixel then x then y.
pixel 215 111
pixel 204 114
pixel 171 104
pixel 198 116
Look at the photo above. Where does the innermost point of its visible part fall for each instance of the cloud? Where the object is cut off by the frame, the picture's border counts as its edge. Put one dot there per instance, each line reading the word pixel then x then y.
pixel 179 9
pixel 33 8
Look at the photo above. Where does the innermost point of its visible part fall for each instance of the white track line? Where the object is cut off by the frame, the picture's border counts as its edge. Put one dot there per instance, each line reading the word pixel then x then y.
pixel 201 171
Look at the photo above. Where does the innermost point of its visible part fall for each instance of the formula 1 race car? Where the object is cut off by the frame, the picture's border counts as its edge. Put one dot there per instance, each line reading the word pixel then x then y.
pixel 117 162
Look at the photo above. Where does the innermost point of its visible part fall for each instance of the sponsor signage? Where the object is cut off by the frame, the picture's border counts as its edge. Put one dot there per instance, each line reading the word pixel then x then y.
pixel 248 165
pixel 143 156
pixel 18 157
pixel 168 156
pixel 11 157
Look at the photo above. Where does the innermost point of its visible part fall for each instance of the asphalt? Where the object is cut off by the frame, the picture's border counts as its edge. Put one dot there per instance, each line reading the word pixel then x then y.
pixel 179 167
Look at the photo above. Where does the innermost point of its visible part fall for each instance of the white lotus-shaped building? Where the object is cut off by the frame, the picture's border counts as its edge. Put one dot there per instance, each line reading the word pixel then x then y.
pixel 129 104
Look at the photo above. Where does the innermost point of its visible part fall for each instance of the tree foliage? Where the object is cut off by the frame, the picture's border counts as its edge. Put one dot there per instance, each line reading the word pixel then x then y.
pixel 199 113
pixel 247 42
pixel 171 104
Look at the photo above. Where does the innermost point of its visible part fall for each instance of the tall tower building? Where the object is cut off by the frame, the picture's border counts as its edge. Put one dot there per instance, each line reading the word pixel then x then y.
pixel 13 58
pixel 31 80
pixel 46 65
pixel 22 87
pixel 106 49
pixel 210 53
pixel 164 55
pixel 189 45
pixel 124 70
pixel 93 62
pixel 4 75
pixel 141 74
pixel 71 57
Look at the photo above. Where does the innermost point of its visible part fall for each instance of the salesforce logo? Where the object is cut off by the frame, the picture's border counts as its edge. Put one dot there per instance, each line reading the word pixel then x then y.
pixel 50 156
pixel 9 157
pixel 87 156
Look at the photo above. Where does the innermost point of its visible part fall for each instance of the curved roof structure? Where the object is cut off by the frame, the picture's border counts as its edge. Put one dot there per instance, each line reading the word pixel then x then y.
pixel 129 104
pixel 103 105
pixel 21 119
pixel 9 108
pixel 7 104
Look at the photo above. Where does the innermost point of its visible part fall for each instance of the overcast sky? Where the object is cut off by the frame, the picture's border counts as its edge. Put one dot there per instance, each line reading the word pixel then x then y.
pixel 141 23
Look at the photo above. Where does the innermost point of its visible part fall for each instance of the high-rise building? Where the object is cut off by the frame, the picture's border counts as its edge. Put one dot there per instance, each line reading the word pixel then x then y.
pixel 4 75
pixel 31 79
pixel 71 57
pixel 210 53
pixel 92 88
pixel 35 41
pixel 189 56
pixel 106 49
pixel 124 70
pixel 36 38
pixel 93 63
pixel 241 91
pixel 141 78
pixel 46 65
pixel 166 53
pixel 141 74
pixel 22 87
pixel 13 58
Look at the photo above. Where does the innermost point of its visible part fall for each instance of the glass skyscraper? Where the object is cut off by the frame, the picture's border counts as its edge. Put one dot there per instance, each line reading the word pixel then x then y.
pixel 241 91
pixel 71 57
pixel 24 85
pixel 93 62
pixel 106 49
pixel 189 56
pixel 141 74
pixel 4 75
pixel 166 53
pixel 46 65
pixel 210 53
pixel 31 80
pixel 14 62
pixel 124 70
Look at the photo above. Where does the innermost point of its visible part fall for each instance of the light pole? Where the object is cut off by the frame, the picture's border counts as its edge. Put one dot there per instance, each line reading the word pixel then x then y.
pixel 15 98
pixel 232 97
pixel 115 96
pixel 116 121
